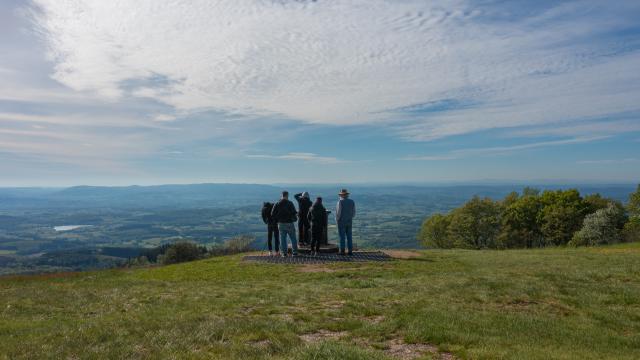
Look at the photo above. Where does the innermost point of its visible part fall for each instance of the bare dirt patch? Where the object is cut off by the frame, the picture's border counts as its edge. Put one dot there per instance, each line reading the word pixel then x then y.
pixel 374 319
pixel 398 349
pixel 335 304
pixel 403 254
pixel 260 343
pixel 322 335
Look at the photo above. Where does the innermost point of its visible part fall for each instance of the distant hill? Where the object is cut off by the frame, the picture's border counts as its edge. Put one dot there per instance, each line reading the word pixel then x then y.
pixel 192 195
pixel 223 195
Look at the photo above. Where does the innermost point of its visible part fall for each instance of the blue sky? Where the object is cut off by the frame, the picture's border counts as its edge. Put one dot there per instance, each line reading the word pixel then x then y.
pixel 263 91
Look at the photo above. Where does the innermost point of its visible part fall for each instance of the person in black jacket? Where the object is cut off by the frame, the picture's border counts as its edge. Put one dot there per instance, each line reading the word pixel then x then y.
pixel 317 216
pixel 272 228
pixel 304 228
pixel 284 213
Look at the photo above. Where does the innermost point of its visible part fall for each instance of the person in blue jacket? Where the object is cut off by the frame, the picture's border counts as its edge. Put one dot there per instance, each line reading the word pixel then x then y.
pixel 345 212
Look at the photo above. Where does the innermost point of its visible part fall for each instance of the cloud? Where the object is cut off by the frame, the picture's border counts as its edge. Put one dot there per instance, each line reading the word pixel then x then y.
pixel 602 127
pixel 79 119
pixel 355 61
pixel 609 161
pixel 300 156
pixel 498 150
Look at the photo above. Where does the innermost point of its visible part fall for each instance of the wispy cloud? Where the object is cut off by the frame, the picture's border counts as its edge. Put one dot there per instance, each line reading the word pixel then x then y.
pixel 350 61
pixel 610 161
pixel 300 156
pixel 498 150
pixel 601 127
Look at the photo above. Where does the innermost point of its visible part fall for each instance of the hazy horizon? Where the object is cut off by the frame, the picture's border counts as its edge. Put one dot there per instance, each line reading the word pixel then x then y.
pixel 485 182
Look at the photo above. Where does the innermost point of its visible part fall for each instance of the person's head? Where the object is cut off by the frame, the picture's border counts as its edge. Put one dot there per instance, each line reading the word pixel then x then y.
pixel 305 195
pixel 343 193
pixel 285 194
pixel 319 200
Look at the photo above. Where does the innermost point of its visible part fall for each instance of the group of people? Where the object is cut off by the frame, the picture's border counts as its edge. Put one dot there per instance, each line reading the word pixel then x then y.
pixel 281 217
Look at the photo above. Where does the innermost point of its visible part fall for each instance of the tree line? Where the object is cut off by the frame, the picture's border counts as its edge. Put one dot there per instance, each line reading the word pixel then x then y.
pixel 534 219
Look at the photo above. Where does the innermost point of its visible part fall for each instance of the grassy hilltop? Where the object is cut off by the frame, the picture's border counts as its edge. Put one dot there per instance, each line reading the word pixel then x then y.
pixel 518 304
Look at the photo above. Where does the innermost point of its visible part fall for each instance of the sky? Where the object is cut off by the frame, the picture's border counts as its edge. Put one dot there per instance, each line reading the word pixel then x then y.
pixel 329 91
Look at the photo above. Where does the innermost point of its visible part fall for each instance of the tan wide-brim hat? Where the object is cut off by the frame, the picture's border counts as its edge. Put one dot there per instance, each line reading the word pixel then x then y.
pixel 343 192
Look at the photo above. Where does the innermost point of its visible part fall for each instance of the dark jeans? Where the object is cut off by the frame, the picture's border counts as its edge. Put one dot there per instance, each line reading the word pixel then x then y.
pixel 303 231
pixel 273 234
pixel 316 237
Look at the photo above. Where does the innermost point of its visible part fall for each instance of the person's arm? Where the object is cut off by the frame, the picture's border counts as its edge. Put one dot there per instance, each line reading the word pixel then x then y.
pixel 274 212
pixel 265 217
pixel 298 196
pixel 354 209
pixel 310 216
pixel 338 210
pixel 293 210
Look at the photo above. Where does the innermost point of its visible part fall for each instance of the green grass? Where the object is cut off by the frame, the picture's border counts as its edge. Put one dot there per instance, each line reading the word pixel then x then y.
pixel 533 304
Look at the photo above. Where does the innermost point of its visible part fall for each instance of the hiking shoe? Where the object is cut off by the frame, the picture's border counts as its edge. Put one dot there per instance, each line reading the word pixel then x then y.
pixel 270 253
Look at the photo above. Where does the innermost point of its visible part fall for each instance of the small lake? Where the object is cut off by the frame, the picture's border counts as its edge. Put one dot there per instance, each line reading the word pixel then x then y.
pixel 69 227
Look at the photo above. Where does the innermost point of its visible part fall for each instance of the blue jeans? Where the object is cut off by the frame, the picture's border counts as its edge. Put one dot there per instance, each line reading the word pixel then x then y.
pixel 344 231
pixel 288 229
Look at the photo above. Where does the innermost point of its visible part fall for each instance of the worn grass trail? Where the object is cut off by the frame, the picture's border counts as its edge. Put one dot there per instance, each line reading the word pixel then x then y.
pixel 533 304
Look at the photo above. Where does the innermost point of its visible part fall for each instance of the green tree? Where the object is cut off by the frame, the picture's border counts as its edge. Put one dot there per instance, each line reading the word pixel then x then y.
pixel 520 226
pixel 633 207
pixel 599 228
pixel 476 224
pixel 511 198
pixel 631 230
pixel 632 227
pixel 435 232
pixel 561 216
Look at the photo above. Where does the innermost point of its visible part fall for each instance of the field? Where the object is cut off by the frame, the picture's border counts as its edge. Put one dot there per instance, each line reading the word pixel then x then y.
pixel 519 304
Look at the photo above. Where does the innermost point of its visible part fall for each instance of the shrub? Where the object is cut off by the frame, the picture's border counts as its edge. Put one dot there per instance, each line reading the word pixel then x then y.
pixel 235 245
pixel 599 228
pixel 182 252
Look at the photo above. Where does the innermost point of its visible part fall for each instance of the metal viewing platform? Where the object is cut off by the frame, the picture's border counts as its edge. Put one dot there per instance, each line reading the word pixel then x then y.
pixel 321 258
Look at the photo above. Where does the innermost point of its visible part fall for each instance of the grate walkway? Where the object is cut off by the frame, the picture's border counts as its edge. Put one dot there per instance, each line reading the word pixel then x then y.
pixel 358 256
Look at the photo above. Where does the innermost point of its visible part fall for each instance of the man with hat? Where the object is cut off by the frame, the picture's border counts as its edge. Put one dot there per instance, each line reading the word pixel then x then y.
pixel 345 212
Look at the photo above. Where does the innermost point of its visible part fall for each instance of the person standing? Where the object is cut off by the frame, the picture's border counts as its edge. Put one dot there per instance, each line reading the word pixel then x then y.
pixel 304 204
pixel 317 217
pixel 272 228
pixel 345 212
pixel 284 213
